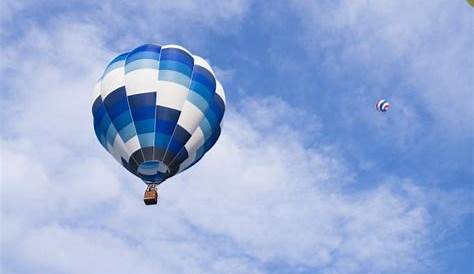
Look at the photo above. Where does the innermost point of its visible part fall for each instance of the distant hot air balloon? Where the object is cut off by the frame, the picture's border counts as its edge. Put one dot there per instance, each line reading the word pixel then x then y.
pixel 382 105
pixel 157 111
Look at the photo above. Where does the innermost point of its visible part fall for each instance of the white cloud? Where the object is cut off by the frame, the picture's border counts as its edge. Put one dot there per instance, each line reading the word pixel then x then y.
pixel 417 53
pixel 261 196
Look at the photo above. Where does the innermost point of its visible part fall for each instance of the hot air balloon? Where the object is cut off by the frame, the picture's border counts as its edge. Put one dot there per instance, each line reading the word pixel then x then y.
pixel 157 110
pixel 382 105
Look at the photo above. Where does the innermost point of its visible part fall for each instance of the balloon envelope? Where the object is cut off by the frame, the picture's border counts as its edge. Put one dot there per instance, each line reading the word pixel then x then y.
pixel 157 110
pixel 382 105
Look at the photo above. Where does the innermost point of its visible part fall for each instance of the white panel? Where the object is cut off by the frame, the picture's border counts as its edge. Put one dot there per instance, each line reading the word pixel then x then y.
pixel 120 149
pixel 220 91
pixel 113 152
pixel 171 95
pixel 196 141
pixel 177 47
pixel 198 60
pixel 190 117
pixel 132 145
pixel 111 81
pixel 141 80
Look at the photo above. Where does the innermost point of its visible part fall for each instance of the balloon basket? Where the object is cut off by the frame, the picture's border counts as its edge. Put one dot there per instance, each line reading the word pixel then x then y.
pixel 151 195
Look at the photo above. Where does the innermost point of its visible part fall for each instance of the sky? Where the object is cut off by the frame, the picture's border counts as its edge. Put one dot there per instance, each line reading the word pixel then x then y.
pixel 307 177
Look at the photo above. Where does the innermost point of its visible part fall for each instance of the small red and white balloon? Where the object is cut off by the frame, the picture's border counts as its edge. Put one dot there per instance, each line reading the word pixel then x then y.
pixel 382 105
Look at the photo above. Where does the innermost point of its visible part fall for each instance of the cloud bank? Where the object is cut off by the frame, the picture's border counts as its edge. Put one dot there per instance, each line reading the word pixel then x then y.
pixel 264 200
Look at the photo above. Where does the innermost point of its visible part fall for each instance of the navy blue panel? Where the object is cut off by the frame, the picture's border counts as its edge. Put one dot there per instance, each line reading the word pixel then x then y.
pixel 180 135
pixel 167 114
pixel 212 140
pixel 129 166
pixel 171 152
pixel 133 167
pixel 173 171
pixel 143 113
pixel 138 157
pixel 204 77
pixel 218 104
pixel 175 54
pixel 98 112
pixel 212 119
pixel 98 108
pixel 158 153
pixel 181 157
pixel 177 142
pixel 148 47
pixel 116 102
pixel 165 127
pixel 142 100
pixel 147 153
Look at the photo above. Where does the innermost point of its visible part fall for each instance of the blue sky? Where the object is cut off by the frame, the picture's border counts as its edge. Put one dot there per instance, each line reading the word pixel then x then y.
pixel 306 178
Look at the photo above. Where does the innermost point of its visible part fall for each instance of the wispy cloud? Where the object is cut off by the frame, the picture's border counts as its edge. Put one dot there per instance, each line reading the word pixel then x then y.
pixel 271 196
pixel 404 47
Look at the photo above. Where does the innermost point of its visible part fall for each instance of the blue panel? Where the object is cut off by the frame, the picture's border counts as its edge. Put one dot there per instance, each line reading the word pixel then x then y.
pixel 104 124
pixel 144 52
pixel 181 157
pixel 212 119
pixel 101 121
pixel 212 140
pixel 181 135
pixel 143 108
pixel 173 148
pixel 119 58
pixel 167 114
pixel 143 113
pixel 147 139
pixel 115 63
pixel 219 105
pixel 116 102
pixel 144 126
pixel 162 140
pixel 206 128
pixel 165 127
pixel 127 132
pixel 176 54
pixel 141 64
pixel 142 100
pixel 177 142
pixel 200 152
pixel 175 66
pixel 111 134
pixel 98 109
pixel 122 120
pixel 175 77
pixel 204 77
pixel 100 137
pixel 148 47
pixel 136 159
pixel 202 90
pixel 198 101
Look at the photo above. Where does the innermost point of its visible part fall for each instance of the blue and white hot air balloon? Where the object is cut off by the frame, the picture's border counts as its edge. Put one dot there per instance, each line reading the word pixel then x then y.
pixel 382 105
pixel 157 111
